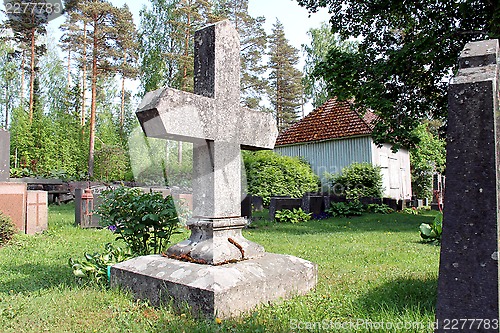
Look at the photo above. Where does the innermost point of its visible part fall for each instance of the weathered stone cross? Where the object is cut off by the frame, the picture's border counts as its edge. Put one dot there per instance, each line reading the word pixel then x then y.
pixel 219 128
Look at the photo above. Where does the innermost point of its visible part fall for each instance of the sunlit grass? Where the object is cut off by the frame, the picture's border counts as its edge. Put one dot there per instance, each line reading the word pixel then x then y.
pixel 371 268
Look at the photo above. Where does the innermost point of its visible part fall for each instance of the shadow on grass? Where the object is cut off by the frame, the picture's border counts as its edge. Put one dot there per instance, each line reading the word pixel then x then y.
pixel 367 223
pixel 400 297
pixel 34 277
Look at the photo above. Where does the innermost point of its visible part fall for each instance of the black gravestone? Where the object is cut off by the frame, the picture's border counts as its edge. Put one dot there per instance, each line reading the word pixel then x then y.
pixel 279 203
pixel 468 272
pixel 257 203
pixel 313 203
pixel 4 155
pixel 246 207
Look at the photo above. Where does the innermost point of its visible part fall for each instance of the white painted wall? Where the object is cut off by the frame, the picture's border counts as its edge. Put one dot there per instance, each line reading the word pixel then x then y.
pixel 395 168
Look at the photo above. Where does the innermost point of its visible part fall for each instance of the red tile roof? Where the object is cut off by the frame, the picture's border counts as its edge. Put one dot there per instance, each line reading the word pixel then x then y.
pixel 332 120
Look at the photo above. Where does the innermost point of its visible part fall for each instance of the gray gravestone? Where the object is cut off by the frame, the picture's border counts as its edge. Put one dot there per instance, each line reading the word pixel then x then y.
pixel 468 273
pixel 4 155
pixel 210 277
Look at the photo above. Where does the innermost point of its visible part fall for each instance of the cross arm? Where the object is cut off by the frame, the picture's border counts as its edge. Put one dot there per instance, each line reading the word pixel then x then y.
pixel 169 113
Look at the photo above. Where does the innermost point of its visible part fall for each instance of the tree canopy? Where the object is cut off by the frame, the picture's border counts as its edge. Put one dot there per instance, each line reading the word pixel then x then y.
pixel 407 52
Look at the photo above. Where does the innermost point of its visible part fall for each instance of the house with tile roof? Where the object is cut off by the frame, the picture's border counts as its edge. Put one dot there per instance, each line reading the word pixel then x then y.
pixel 334 136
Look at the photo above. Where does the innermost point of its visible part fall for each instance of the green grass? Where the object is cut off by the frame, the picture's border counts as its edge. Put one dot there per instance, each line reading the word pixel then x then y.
pixel 371 268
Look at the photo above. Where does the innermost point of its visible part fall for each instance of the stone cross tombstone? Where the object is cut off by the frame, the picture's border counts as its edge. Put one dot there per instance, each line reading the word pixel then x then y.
pixel 468 287
pixel 213 120
pixel 4 155
pixel 217 272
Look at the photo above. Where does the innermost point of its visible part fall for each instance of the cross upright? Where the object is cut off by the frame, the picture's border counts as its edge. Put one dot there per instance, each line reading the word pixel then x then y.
pixel 213 120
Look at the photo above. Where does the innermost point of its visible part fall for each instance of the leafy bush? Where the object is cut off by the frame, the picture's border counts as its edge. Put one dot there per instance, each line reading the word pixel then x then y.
pixel 292 216
pixel 379 209
pixel 95 266
pixel 7 229
pixel 343 209
pixel 411 211
pixel 431 232
pixel 358 180
pixel 111 163
pixel 271 174
pixel 145 221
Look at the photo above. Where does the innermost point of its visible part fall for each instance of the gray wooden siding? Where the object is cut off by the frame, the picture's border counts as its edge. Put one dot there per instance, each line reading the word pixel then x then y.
pixel 331 156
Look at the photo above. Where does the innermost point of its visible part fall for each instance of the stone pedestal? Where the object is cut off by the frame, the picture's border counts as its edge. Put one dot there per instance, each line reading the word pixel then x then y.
pixel 216 291
pixel 216 242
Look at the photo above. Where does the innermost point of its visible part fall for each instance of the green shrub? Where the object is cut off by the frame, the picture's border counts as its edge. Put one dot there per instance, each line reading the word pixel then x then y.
pixel 358 180
pixel 271 174
pixel 95 266
pixel 410 211
pixel 292 216
pixel 379 209
pixel 345 209
pixel 431 232
pixel 145 221
pixel 7 229
pixel 111 163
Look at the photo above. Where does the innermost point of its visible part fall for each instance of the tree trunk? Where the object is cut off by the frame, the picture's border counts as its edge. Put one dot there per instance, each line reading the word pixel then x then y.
pixel 122 110
pixel 84 73
pixel 69 70
pixel 7 99
pixel 23 65
pixel 32 77
pixel 93 105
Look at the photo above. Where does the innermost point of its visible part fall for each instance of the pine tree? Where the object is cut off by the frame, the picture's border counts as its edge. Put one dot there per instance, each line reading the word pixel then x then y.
pixel 128 45
pixel 75 41
pixel 106 28
pixel 285 92
pixel 27 26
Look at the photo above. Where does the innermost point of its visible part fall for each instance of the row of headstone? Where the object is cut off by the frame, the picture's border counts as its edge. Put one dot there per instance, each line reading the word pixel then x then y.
pixel 317 203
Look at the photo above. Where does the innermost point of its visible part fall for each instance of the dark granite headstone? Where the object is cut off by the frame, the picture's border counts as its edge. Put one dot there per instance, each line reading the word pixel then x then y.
pixel 313 203
pixel 78 206
pixel 4 155
pixel 246 207
pixel 468 273
pixel 257 203
pixel 392 203
pixel 279 203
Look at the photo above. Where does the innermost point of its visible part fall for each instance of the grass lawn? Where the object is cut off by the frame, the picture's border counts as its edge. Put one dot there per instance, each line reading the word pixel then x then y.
pixel 372 269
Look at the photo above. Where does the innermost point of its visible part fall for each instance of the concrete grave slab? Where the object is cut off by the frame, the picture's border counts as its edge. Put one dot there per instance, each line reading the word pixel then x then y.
pixel 36 212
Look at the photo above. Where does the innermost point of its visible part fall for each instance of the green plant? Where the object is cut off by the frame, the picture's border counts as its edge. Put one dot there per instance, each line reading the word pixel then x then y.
pixel 292 216
pixel 379 209
pixel 431 232
pixel 145 221
pixel 95 266
pixel 358 180
pixel 7 229
pixel 410 211
pixel 345 209
pixel 271 174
